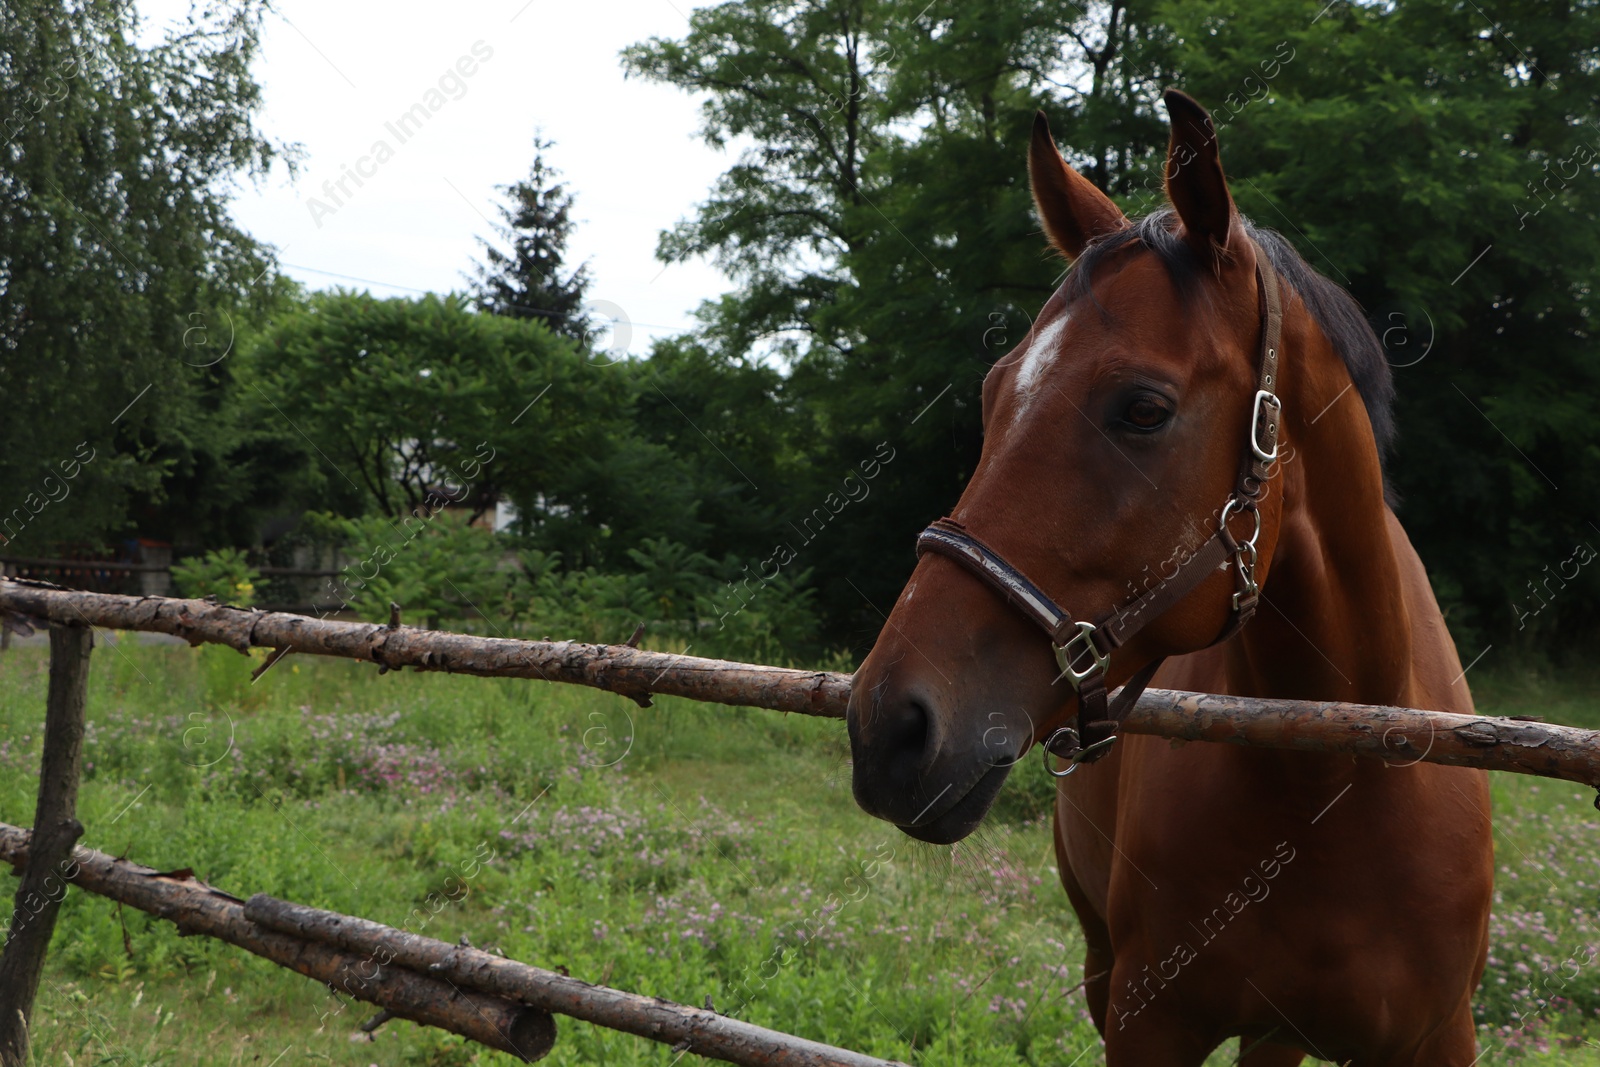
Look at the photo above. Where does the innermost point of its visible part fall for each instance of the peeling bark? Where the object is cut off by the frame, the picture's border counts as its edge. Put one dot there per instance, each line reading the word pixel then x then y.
pixel 1398 735
pixel 1395 734
pixel 196 908
pixel 617 668
pixel 703 1032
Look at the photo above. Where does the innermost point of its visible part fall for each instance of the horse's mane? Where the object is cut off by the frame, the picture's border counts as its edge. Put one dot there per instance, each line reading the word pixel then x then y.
pixel 1334 310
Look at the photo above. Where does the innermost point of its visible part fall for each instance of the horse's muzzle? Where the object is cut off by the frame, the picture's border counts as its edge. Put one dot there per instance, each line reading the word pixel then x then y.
pixel 907 770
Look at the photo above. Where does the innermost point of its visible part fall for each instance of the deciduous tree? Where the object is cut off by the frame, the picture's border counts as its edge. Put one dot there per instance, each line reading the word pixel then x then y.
pixel 116 247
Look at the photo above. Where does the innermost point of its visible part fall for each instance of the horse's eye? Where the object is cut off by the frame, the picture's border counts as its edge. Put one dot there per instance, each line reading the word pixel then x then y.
pixel 1145 414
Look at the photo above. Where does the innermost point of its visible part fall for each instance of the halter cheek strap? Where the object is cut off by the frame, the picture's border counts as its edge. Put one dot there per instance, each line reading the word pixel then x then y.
pixel 1083 649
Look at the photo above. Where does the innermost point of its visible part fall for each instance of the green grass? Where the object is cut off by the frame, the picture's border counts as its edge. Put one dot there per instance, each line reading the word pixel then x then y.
pixel 721 857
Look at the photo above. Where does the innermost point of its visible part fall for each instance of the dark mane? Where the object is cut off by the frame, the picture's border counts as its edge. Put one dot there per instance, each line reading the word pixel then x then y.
pixel 1334 310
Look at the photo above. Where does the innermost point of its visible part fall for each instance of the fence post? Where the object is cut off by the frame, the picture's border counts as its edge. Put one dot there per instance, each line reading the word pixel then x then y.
pixel 55 831
pixel 5 631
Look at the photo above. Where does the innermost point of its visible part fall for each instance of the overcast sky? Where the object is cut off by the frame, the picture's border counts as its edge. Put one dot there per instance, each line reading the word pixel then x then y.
pixel 334 74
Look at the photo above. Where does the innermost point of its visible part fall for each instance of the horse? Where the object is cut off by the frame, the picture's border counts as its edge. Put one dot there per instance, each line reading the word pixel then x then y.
pixel 1188 446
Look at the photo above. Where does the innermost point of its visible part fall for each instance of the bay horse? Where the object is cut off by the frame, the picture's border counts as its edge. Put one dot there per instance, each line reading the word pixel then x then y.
pixel 1188 448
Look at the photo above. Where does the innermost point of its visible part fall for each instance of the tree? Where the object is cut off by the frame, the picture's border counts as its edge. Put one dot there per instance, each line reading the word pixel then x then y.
pixel 404 400
pixel 116 246
pixel 526 282
pixel 881 233
pixel 408 406
pixel 1445 167
pixel 704 409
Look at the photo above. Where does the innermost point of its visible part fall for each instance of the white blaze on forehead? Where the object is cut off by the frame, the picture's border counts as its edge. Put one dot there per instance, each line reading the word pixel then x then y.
pixel 1037 359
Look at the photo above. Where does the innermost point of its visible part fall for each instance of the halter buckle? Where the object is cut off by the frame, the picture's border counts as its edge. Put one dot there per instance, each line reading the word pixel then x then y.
pixel 1067 653
pixel 1264 397
pixel 1074 756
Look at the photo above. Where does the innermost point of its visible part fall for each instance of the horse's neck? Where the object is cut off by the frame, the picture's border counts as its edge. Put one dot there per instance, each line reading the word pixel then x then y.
pixel 1332 623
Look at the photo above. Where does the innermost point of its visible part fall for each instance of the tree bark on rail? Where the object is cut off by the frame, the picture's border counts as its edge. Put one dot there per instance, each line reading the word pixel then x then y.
pixel 1399 735
pixel 196 908
pixel 632 672
pixel 492 1000
pixel 705 1033
pixel 55 830
pixel 1396 734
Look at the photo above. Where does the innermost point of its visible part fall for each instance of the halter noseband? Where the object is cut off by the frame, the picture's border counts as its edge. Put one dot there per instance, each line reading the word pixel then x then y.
pixel 1083 649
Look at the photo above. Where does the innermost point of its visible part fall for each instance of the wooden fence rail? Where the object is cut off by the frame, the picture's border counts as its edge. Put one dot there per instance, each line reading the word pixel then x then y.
pixel 197 908
pixel 1397 734
pixel 498 1002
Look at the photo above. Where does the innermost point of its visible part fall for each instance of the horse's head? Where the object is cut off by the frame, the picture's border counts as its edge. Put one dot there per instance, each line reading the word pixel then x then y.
pixel 1113 440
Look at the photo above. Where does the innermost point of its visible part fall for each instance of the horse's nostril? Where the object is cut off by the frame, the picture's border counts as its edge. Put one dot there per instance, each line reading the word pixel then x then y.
pixel 904 735
pixel 895 740
pixel 912 728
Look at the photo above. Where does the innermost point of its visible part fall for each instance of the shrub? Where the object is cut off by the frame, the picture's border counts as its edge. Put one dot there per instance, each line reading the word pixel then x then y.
pixel 223 573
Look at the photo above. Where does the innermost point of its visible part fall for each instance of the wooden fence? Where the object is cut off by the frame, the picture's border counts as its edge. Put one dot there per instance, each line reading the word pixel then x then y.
pixel 284 588
pixel 498 1002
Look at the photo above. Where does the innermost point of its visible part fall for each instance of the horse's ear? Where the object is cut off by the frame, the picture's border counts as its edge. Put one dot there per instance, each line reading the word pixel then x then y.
pixel 1195 182
pixel 1072 210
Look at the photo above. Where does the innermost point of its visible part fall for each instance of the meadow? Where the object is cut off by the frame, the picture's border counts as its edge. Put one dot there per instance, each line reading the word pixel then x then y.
pixel 684 851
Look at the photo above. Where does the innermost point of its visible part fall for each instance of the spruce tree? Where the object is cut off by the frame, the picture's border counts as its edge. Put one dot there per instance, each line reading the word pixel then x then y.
pixel 525 280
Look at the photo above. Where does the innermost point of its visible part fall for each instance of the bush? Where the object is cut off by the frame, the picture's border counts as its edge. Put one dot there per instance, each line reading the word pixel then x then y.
pixel 223 573
pixel 445 572
pixel 439 569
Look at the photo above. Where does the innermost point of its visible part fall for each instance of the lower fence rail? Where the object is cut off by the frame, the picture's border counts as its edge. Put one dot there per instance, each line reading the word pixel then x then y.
pixel 492 1000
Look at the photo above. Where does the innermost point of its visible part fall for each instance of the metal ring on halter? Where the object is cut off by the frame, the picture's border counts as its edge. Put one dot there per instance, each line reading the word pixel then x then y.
pixel 1078 756
pixel 1233 505
pixel 1051 740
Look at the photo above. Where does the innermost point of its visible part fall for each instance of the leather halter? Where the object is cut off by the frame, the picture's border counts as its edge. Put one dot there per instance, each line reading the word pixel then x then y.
pixel 1083 649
